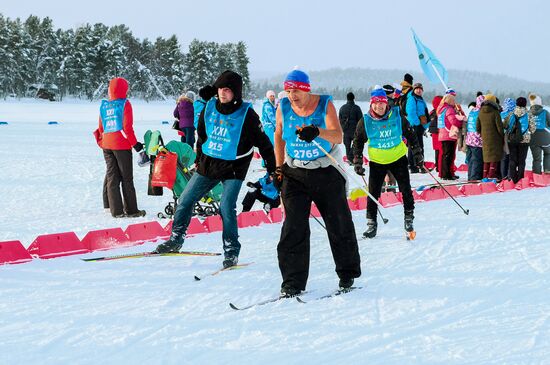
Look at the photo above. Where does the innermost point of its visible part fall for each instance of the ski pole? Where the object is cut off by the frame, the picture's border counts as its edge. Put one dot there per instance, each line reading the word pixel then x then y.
pixel 385 220
pixel 318 221
pixel 336 164
pixel 466 211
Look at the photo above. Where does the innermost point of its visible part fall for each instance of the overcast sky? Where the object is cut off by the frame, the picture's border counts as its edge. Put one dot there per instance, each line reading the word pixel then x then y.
pixel 505 37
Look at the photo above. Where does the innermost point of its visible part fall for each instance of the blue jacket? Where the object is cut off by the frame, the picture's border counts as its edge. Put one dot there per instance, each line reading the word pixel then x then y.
pixel 416 107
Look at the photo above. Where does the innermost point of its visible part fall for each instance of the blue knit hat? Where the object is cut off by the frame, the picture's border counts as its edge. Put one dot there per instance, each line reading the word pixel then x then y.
pixel 378 95
pixel 297 79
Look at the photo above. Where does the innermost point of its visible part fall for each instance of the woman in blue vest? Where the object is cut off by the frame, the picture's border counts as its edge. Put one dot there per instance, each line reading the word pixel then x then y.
pixel 518 149
pixel 305 174
pixel 205 93
pixel 228 131
pixel 540 141
pixel 268 114
pixel 474 153
pixel 384 128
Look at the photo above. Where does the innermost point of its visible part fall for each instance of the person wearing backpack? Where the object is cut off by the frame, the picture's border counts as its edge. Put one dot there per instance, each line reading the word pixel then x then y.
pixel 489 125
pixel 518 127
pixel 540 141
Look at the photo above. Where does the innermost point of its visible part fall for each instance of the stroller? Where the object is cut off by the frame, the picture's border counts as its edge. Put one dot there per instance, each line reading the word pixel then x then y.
pixel 208 205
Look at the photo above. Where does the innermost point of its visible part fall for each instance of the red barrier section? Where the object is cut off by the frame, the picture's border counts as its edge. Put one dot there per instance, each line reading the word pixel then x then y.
pixel 213 223
pixel 488 187
pixel 462 167
pixel 365 160
pixel 417 197
pixel 433 194
pixel 453 190
pixel 388 199
pixel 399 196
pixel 314 211
pixel 257 155
pixel 105 239
pixel 352 205
pixel 429 165
pixel 13 252
pixel 276 215
pixel 470 189
pixel 253 218
pixel 195 226
pixel 523 184
pixel 529 174
pixel 540 180
pixel 361 203
pixel 56 245
pixel 145 231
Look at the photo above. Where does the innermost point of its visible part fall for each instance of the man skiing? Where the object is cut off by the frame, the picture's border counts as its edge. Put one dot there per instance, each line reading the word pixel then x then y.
pixel 228 131
pixel 307 126
pixel 384 128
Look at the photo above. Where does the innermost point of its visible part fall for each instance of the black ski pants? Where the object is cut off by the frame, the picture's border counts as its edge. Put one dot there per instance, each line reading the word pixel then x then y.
pixel 348 139
pixel 377 173
pixel 446 165
pixel 518 155
pixel 120 172
pixel 326 188
pixel 419 131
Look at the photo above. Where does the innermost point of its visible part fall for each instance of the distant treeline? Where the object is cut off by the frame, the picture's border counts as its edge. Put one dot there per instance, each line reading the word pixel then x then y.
pixel 80 62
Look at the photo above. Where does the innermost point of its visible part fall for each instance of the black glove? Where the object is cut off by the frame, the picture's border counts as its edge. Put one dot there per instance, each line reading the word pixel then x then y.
pixel 277 177
pixel 418 156
pixel 138 146
pixel 308 133
pixel 207 92
pixel 358 166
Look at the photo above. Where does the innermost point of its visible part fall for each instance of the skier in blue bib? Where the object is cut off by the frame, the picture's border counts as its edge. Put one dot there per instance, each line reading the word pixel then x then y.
pixel 228 130
pixel 540 141
pixel 305 175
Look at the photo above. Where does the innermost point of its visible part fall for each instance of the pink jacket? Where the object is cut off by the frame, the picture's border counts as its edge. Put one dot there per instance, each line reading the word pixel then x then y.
pixel 450 120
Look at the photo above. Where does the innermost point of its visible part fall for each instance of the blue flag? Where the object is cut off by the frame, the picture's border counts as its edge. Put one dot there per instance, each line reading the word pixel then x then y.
pixel 429 63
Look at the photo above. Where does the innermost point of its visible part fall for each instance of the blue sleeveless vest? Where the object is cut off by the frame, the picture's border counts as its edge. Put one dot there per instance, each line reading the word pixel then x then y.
pixel 540 120
pixel 112 114
pixel 268 189
pixel 472 119
pixel 295 147
pixel 441 119
pixel 198 106
pixel 268 115
pixel 384 134
pixel 524 121
pixel 223 131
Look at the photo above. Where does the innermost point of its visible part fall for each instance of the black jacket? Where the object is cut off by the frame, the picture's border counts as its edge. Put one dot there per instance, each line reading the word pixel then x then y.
pixel 252 134
pixel 360 137
pixel 349 114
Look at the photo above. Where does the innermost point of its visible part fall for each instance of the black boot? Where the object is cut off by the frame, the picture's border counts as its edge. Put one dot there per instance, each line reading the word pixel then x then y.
pixel 171 246
pixel 345 284
pixel 409 218
pixel 289 292
pixel 230 261
pixel 371 228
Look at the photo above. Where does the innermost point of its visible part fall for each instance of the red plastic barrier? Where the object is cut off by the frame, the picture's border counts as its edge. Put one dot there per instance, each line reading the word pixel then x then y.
pixel 429 165
pixel 105 239
pixel 56 245
pixel 417 196
pixel 471 189
pixel 276 215
pixel 195 226
pixel 145 231
pixel 13 252
pixel 506 185
pixel 257 155
pixel 462 167
pixel 253 218
pixel 540 180
pixel 488 187
pixel 352 205
pixel 433 194
pixel 523 184
pixel 388 199
pixel 529 174
pixel 453 190
pixel 314 211
pixel 361 203
pixel 213 223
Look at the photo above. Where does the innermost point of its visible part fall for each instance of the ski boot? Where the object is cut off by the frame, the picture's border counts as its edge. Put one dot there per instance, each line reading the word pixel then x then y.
pixel 345 285
pixel 230 261
pixel 289 292
pixel 171 246
pixel 139 213
pixel 371 228
pixel 410 234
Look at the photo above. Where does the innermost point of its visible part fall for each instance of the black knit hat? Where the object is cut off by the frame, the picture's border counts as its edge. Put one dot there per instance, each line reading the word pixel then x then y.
pixel 388 89
pixel 521 102
pixel 350 96
pixel 231 80
pixel 207 92
pixel 408 78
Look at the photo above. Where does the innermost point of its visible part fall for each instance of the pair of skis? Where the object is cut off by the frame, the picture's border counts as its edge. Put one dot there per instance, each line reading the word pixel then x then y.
pixel 297 297
pixel 151 254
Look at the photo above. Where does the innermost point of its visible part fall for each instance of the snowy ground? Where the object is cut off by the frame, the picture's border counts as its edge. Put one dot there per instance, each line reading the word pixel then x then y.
pixel 469 290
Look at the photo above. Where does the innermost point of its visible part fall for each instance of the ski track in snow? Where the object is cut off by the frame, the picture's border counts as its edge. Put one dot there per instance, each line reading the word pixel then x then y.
pixel 469 290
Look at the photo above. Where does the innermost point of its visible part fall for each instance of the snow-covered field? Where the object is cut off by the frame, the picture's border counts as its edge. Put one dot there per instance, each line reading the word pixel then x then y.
pixel 469 290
